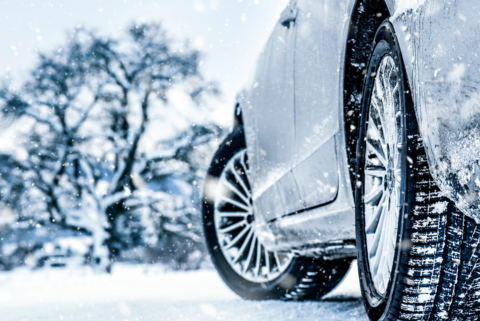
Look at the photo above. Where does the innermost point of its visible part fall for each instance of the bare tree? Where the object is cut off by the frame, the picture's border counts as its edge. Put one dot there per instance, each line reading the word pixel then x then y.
pixel 91 104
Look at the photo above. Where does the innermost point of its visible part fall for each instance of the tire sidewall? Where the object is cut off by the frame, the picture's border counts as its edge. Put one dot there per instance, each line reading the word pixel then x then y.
pixel 378 305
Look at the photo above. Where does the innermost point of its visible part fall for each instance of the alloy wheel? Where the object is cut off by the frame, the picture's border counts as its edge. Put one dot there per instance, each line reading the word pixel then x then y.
pixel 236 229
pixel 384 182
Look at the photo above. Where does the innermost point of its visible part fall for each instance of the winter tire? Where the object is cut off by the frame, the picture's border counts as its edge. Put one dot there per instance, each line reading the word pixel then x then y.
pixel 417 253
pixel 243 263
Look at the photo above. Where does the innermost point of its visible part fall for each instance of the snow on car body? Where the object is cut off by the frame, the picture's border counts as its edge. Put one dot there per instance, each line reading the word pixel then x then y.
pixel 440 50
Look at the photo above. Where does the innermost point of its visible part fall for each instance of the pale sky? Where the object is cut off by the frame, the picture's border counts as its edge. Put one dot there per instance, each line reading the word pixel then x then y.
pixel 231 33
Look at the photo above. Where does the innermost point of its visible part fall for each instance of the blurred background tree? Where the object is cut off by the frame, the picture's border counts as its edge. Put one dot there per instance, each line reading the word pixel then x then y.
pixel 95 164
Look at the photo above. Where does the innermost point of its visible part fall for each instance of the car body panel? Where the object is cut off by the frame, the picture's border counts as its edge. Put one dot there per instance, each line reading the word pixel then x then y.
pixel 442 62
pixel 289 195
pixel 317 176
pixel 270 133
pixel 334 221
pixel 440 48
pixel 316 92
pixel 320 164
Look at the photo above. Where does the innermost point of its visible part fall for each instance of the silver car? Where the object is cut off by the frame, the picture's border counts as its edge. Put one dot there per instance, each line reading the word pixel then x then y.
pixel 358 136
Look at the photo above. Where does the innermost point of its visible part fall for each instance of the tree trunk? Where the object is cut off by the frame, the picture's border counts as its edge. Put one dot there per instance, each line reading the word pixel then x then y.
pixel 114 241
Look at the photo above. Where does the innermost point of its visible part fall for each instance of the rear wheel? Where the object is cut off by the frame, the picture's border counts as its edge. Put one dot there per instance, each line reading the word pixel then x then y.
pixel 243 262
pixel 417 254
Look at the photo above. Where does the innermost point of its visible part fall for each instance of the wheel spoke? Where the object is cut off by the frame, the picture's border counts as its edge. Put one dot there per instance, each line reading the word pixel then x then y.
pixel 378 232
pixel 398 175
pixel 227 199
pixel 374 148
pixel 277 259
pixel 244 245
pixel 245 170
pixel 379 126
pixel 377 131
pixel 382 85
pixel 267 260
pixel 239 179
pixel 376 172
pixel 374 194
pixel 384 246
pixel 371 224
pixel 388 84
pixel 389 245
pixel 238 237
pixel 232 227
pixel 250 254
pixel 232 214
pixel 236 191
pixel 379 258
pixel 394 90
pixel 259 257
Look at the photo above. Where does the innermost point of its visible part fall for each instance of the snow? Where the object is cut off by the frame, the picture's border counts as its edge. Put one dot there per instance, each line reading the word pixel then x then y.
pixel 139 292
pixel 405 6
pixel 440 207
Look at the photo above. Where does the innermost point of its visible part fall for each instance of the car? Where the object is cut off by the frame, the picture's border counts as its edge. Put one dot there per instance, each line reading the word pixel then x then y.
pixel 357 137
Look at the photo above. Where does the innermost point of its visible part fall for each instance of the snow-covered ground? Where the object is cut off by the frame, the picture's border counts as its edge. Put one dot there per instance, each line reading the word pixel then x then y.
pixel 134 292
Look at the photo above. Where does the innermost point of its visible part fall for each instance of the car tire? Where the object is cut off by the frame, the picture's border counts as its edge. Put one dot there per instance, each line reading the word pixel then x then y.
pixel 434 254
pixel 303 279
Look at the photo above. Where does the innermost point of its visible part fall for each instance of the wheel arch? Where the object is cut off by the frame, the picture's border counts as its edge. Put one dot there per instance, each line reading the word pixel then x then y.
pixel 366 17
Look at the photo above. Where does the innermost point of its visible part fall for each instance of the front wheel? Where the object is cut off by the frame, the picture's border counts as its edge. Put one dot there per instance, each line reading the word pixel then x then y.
pixel 243 262
pixel 417 254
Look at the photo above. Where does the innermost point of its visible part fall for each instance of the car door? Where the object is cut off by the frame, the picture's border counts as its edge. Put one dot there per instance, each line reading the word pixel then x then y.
pixel 317 98
pixel 269 122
